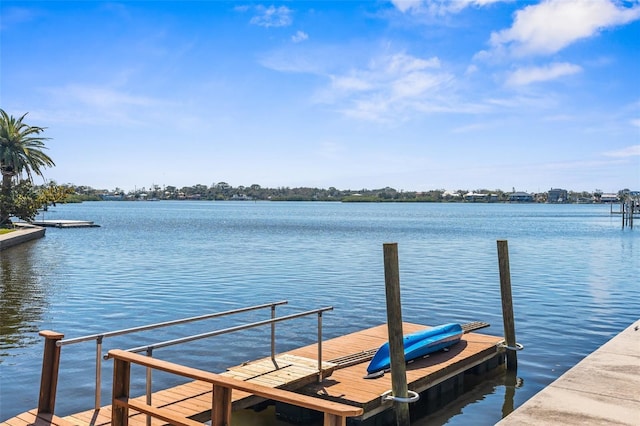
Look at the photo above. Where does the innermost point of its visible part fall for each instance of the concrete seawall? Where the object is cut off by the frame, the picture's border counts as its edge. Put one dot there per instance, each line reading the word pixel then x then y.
pixel 20 236
pixel 602 389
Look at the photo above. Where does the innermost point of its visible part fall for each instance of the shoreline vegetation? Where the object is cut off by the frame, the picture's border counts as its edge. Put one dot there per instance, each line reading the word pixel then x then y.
pixel 225 192
pixel 22 156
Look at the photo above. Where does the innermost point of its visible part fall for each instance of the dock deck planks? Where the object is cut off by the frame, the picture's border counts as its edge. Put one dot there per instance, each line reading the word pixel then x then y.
pixel 349 386
pixel 31 418
pixel 298 372
pixel 193 399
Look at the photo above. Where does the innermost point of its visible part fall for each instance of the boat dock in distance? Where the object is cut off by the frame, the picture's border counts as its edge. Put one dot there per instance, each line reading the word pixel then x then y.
pixel 300 388
pixel 62 223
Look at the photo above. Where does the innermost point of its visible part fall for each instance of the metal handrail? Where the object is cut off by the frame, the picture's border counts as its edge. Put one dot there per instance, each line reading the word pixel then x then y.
pixel 165 324
pixel 227 330
pixel 100 336
pixel 149 348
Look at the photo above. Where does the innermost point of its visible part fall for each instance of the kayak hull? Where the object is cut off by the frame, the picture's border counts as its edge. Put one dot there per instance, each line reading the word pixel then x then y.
pixel 417 345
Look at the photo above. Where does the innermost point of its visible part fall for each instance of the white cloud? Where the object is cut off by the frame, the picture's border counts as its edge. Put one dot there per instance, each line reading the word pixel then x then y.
pixel 402 63
pixel 525 76
pixel 471 128
pixel 100 105
pixel 272 16
pixel 552 25
pixel 439 7
pixel 13 16
pixel 350 83
pixel 559 118
pixel 405 5
pixel 299 36
pixel 294 60
pixel 635 122
pixel 415 84
pixel 102 97
pixel 471 69
pixel 630 151
pixel 392 87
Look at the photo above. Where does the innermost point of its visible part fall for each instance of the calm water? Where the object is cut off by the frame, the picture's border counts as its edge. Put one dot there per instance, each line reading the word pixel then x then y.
pixel 574 276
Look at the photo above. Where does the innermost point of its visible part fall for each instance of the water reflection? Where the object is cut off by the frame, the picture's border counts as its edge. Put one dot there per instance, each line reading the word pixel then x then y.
pixel 23 299
pixel 511 382
pixel 151 262
pixel 488 388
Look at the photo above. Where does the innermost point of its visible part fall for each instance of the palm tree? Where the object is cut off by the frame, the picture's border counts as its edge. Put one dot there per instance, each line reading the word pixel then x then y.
pixel 21 153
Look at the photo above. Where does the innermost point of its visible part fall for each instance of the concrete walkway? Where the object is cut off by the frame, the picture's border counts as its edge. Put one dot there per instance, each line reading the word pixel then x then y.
pixel 602 389
pixel 20 235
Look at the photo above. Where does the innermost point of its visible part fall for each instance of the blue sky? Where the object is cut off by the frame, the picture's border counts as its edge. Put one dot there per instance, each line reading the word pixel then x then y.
pixel 416 95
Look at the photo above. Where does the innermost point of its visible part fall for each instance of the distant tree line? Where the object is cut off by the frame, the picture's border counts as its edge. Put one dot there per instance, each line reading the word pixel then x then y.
pixel 22 156
pixel 223 191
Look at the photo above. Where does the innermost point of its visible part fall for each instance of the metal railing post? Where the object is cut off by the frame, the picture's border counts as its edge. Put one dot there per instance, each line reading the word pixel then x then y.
pixel 320 346
pixel 273 335
pixel 98 371
pixel 149 387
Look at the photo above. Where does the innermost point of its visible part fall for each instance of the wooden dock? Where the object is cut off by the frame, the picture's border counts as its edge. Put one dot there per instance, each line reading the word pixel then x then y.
pixel 297 370
pixel 348 385
pixel 64 223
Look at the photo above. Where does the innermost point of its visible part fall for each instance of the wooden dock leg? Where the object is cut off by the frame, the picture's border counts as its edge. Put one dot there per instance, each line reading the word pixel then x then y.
pixel 507 305
pixel 334 420
pixel 399 386
pixel 49 376
pixel 221 406
pixel 121 377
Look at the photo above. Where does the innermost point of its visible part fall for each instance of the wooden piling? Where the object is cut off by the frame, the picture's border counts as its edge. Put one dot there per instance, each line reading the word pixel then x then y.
pixel 49 376
pixel 221 411
pixel 121 380
pixel 399 386
pixel 507 305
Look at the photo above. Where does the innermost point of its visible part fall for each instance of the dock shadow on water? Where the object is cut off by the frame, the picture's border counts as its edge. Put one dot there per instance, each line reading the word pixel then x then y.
pixel 265 417
pixel 446 409
pixel 498 385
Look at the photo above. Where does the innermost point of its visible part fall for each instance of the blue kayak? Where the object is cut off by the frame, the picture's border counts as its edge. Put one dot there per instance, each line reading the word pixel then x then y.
pixel 417 345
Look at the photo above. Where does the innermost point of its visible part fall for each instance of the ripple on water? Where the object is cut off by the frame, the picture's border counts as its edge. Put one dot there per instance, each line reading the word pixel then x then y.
pixel 151 262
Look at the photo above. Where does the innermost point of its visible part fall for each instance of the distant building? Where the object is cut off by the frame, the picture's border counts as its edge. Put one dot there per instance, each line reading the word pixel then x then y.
pixel 240 197
pixel 473 197
pixel 556 195
pixel 520 197
pixel 112 197
pixel 609 198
